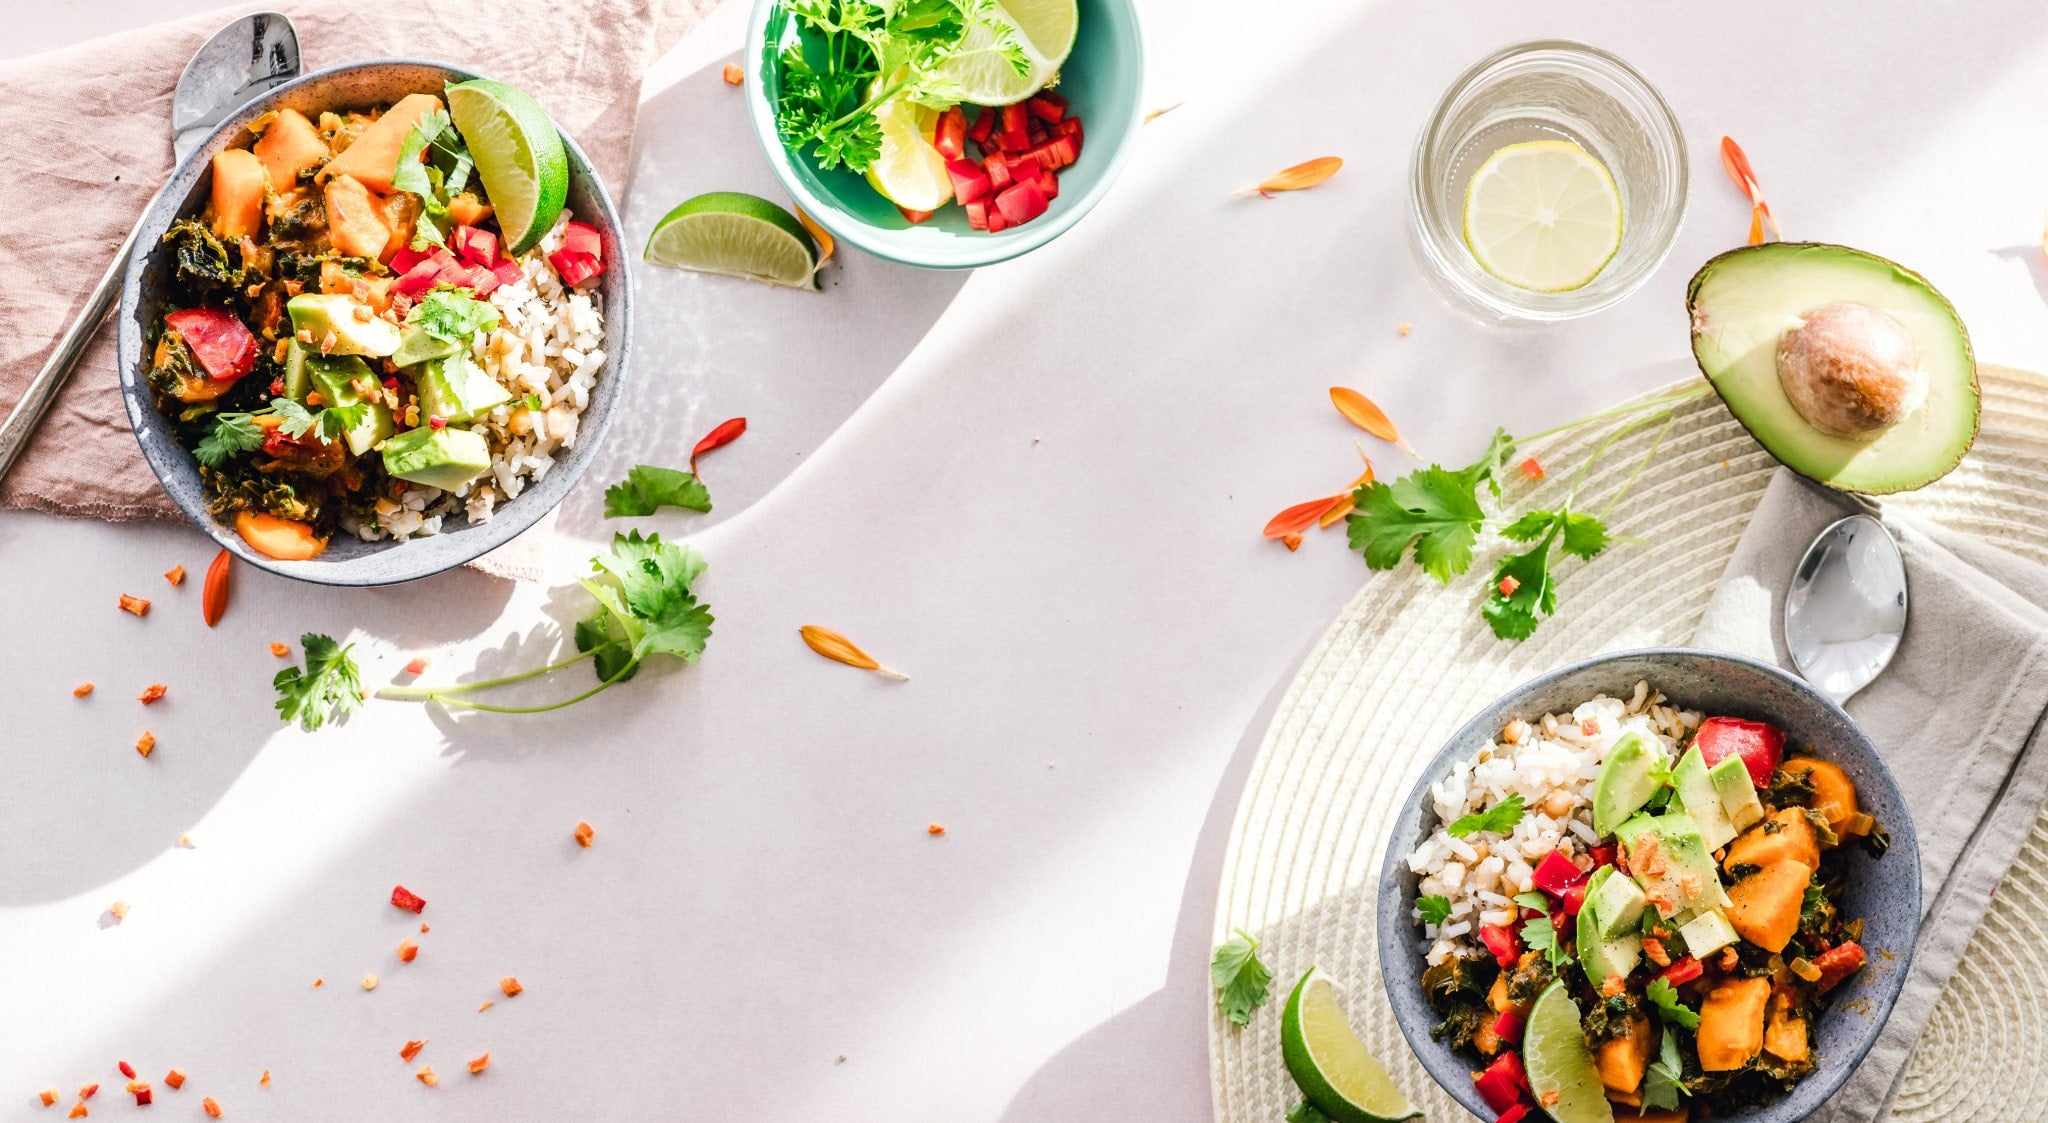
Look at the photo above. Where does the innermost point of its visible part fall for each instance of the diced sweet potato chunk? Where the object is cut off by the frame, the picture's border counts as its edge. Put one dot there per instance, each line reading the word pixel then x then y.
pixel 237 198
pixel 1834 794
pixel 1622 1060
pixel 1784 1030
pixel 355 222
pixel 1764 907
pixel 1787 834
pixel 1732 1024
pixel 373 155
pixel 289 146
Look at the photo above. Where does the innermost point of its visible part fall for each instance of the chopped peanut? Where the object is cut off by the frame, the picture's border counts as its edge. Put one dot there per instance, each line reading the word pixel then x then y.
pixel 175 1078
pixel 281 650
pixel 152 693
pixel 411 1050
pixel 585 835
pixel 119 909
pixel 185 842
pixel 1404 329
pixel 145 744
pixel 369 981
pixel 479 1063
pixel 175 575
pixel 426 1076
pixel 510 986
pixel 733 75
pixel 81 690
pixel 48 1096
pixel 407 950
pixel 136 605
pixel 211 1105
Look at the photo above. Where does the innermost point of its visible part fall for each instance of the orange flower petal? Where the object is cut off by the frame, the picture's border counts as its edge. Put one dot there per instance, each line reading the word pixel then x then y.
pixel 1299 517
pixel 839 649
pixel 1360 411
pixel 1300 177
pixel 823 237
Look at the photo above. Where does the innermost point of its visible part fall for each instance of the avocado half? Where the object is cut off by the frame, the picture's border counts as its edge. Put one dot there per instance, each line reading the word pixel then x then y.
pixel 1743 302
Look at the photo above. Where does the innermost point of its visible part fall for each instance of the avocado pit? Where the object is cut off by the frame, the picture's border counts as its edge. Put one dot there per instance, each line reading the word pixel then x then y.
pixel 1852 371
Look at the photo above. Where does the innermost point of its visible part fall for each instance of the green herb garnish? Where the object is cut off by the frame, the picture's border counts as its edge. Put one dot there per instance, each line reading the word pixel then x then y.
pixel 1239 978
pixel 329 686
pixel 1499 819
pixel 452 315
pixel 1533 900
pixel 1434 909
pixel 438 179
pixel 1665 997
pixel 1540 935
pixel 647 489
pixel 1665 1080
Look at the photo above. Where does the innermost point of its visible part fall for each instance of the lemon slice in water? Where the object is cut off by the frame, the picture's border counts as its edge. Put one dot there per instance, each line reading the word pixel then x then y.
pixel 1544 216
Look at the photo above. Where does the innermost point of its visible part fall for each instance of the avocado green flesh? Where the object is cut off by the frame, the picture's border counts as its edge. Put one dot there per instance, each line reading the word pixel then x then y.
pixel 1707 933
pixel 1606 946
pixel 335 378
pixel 1624 783
pixel 453 388
pixel 330 320
pixel 443 458
pixel 1680 852
pixel 1738 793
pixel 1697 794
pixel 1743 302
pixel 417 345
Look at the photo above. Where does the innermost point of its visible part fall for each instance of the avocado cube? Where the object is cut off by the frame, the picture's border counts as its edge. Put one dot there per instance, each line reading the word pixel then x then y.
pixel 1696 791
pixel 1624 784
pixel 443 458
pixel 1618 906
pixel 1668 858
pixel 1737 791
pixel 1706 933
pixel 297 379
pixel 338 324
pixel 336 379
pixel 454 389
pixel 416 345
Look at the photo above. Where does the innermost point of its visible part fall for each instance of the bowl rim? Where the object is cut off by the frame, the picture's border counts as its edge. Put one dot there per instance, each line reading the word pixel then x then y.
pixel 1001 246
pixel 509 520
pixel 1395 930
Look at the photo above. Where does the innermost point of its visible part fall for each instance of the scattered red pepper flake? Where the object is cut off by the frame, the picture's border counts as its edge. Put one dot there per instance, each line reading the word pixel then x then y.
pixel 407 950
pixel 424 928
pixel 265 1080
pixel 1292 542
pixel 1508 585
pixel 935 829
pixel 136 605
pixel 1532 468
pixel 281 650
pixel 175 575
pixel 48 1096
pixel 487 1005
pixel 119 911
pixel 416 665
pixel 479 1064
pixel 733 75
pixel 585 835
pixel 145 744
pixel 722 434
pixel 407 899
pixel 211 1105
pixel 140 1089
pixel 81 690
pixel 426 1076
pixel 152 693
pixel 127 1070
pixel 213 597
pixel 78 1111
pixel 411 1049
pixel 369 980
pixel 510 986
pixel 318 983
pixel 87 1091
pixel 175 1078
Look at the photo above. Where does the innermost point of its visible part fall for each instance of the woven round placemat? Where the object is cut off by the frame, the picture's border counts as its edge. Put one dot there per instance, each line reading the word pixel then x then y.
pixel 1409 660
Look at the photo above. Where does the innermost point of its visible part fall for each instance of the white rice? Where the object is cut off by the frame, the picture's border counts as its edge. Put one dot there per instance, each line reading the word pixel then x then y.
pixel 549 341
pixel 1552 766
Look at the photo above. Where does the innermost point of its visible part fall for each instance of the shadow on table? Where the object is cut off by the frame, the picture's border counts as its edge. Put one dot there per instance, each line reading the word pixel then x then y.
pixel 796 363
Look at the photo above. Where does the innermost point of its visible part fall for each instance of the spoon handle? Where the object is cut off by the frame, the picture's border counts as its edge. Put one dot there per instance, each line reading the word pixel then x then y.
pixel 42 390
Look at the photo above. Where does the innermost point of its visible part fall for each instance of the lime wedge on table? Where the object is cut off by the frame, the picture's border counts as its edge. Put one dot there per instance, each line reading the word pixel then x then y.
pixel 909 172
pixel 736 234
pixel 1043 28
pixel 1555 1054
pixel 1330 1064
pixel 519 157
pixel 1543 216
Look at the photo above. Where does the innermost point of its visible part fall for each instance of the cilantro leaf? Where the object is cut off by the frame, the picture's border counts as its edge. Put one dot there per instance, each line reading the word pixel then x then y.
pixel 233 433
pixel 1434 909
pixel 435 180
pixel 1584 535
pixel 1522 584
pixel 601 633
pixel 1533 900
pixel 1499 819
pixel 329 687
pixel 453 315
pixel 1429 510
pixel 1239 978
pixel 1665 1080
pixel 1540 935
pixel 647 489
pixel 1669 1008
pixel 330 424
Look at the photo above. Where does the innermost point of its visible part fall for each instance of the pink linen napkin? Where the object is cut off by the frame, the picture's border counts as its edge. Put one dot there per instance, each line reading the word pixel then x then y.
pixel 90 129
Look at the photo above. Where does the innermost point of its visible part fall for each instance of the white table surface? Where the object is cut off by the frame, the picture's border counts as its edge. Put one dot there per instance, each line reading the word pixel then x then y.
pixel 1038 489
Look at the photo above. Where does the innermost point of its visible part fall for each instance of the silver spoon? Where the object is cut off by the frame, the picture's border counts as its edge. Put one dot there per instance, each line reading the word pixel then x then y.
pixel 1846 609
pixel 243 59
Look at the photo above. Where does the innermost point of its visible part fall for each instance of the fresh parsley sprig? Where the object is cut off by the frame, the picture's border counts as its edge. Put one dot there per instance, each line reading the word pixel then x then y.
pixel 1433 909
pixel 1239 978
pixel 328 688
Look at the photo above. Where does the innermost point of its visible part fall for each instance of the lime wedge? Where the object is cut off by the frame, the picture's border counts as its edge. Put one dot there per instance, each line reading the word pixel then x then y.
pixel 1555 1054
pixel 736 234
pixel 1043 29
pixel 1330 1064
pixel 519 157
pixel 909 172
pixel 1543 216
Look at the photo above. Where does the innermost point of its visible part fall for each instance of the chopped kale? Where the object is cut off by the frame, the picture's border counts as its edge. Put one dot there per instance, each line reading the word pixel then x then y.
pixel 201 270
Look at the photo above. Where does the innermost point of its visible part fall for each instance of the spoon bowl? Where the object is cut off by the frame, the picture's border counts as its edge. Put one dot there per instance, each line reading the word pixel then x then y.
pixel 1845 611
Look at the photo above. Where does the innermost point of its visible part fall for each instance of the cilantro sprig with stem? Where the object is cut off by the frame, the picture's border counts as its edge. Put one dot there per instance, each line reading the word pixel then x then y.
pixel 436 180
pixel 1498 819
pixel 237 433
pixel 1435 515
pixel 1241 981
pixel 1664 1082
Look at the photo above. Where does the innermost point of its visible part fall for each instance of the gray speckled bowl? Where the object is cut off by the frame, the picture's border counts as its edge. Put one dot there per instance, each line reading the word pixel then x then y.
pixel 348 560
pixel 1885 892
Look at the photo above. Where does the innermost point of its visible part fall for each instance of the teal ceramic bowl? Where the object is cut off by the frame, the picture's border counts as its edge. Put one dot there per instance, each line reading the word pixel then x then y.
pixel 1103 80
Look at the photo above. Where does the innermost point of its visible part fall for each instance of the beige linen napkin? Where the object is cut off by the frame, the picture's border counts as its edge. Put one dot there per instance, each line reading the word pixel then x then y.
pixel 89 130
pixel 1958 717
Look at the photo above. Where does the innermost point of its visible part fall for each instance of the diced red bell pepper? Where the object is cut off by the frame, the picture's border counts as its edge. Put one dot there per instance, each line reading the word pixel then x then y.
pixel 1014 137
pixel 574 267
pixel 1071 127
pixel 581 237
pixel 1034 131
pixel 403 259
pixel 998 172
pixel 218 339
pixel 970 183
pixel 1502 1083
pixel 951 137
pixel 1838 963
pixel 1514 1114
pixel 1509 1025
pixel 996 222
pixel 407 899
pixel 984 124
pixel 1047 106
pixel 475 245
pixel 1048 184
pixel 278 446
pixel 1556 873
pixel 439 267
pixel 1760 746
pixel 1682 971
pixel 1502 941
pixel 916 218
pixel 977 215
pixel 507 271
pixel 1021 202
pixel 1601 855
pixel 1574 898
pixel 482 279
